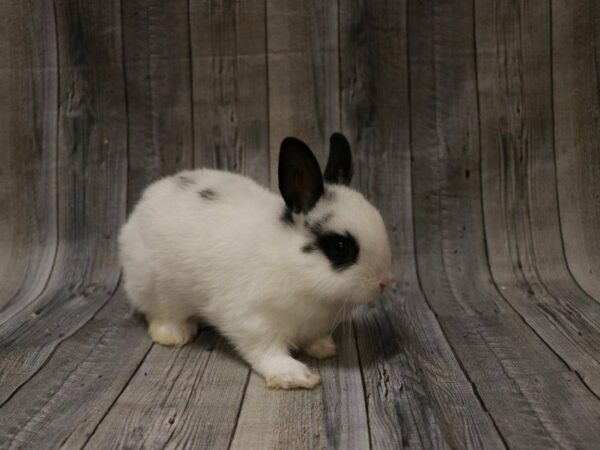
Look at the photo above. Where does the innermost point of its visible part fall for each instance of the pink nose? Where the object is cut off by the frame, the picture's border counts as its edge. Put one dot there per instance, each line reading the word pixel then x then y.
pixel 384 281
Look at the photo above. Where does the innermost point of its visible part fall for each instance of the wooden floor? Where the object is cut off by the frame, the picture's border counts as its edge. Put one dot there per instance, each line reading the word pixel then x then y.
pixel 474 127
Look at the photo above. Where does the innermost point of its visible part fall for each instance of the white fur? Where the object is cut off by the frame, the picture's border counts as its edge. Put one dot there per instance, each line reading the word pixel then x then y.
pixel 233 262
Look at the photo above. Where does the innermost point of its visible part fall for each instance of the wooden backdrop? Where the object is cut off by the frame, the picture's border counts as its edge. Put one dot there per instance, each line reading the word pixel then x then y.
pixel 475 127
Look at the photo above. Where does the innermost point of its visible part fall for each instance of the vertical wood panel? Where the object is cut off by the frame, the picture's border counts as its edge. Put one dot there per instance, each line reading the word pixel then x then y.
pixel 519 184
pixel 91 189
pixel 230 86
pixel 576 75
pixel 402 348
pixel 159 90
pixel 303 74
pixel 28 127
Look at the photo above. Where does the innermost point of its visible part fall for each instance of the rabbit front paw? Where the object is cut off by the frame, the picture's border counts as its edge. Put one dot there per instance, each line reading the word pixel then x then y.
pixel 291 374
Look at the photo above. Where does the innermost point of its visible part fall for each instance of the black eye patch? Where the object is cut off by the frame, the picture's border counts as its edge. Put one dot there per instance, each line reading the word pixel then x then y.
pixel 340 249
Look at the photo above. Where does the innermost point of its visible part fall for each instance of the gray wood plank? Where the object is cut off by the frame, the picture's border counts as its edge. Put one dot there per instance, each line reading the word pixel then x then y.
pixel 569 398
pixel 156 40
pixel 64 402
pixel 493 343
pixel 575 52
pixel 91 191
pixel 178 398
pixel 519 185
pixel 304 91
pixel 403 351
pixel 28 127
pixel 230 86
pixel 283 419
pixel 304 102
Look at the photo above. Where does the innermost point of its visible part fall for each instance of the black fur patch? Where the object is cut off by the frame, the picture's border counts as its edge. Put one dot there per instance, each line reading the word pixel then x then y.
pixel 208 194
pixel 287 217
pixel 184 182
pixel 340 249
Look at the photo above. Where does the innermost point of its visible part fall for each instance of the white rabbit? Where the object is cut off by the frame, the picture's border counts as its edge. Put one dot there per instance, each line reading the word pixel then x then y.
pixel 270 273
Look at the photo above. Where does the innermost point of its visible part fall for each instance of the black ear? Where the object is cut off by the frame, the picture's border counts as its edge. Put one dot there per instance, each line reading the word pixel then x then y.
pixel 300 180
pixel 339 168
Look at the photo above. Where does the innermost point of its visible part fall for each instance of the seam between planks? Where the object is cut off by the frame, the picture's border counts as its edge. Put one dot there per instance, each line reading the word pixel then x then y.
pixel 270 175
pixel 239 412
pixel 363 383
pixel 127 122
pixel 191 74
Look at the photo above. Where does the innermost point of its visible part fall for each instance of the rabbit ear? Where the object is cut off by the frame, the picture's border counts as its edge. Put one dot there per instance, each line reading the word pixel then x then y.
pixel 300 180
pixel 339 168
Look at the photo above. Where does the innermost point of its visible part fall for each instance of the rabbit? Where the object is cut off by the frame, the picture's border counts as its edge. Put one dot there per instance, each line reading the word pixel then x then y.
pixel 271 273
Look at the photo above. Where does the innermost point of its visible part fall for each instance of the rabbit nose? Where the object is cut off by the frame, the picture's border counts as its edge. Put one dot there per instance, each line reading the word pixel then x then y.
pixel 384 281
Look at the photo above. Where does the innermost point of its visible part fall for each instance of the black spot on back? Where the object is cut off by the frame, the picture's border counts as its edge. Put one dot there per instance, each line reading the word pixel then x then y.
pixel 184 182
pixel 208 194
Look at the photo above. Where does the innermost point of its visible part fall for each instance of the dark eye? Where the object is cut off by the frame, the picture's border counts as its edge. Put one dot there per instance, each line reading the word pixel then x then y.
pixel 340 249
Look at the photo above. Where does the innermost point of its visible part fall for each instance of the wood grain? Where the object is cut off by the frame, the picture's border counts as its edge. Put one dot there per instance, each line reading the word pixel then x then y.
pixel 28 127
pixel 178 398
pixel 492 342
pixel 64 402
pixel 304 90
pixel 519 186
pixel 230 86
pixel 575 72
pixel 159 91
pixel 91 168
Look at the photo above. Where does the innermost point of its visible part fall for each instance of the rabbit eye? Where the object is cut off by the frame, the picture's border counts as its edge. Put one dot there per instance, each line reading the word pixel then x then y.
pixel 341 249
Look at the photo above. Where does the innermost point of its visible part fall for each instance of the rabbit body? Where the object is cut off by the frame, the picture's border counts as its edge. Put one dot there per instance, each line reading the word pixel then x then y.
pixel 215 245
